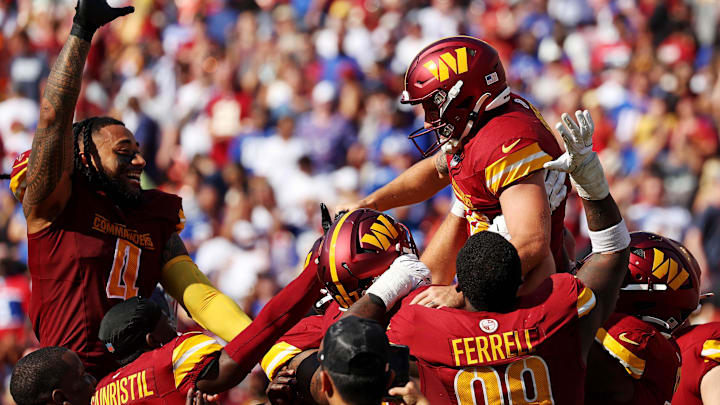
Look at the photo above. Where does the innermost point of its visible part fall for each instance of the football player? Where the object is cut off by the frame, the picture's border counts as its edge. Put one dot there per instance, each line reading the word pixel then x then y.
pixel 490 144
pixel 160 367
pixel 633 360
pixel 56 375
pixel 500 348
pixel 699 374
pixel 95 237
pixel 359 247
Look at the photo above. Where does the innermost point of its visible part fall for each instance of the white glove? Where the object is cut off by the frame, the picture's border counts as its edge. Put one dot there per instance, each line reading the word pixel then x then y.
pixel 586 172
pixel 500 227
pixel 405 275
pixel 555 188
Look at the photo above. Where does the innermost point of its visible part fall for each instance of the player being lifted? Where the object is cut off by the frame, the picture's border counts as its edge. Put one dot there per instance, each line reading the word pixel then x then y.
pixel 94 236
pixel 530 349
pixel 491 146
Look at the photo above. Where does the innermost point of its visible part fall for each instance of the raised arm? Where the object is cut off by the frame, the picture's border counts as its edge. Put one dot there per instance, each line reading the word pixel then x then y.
pixel 277 317
pixel 51 160
pixel 416 184
pixel 210 308
pixel 605 270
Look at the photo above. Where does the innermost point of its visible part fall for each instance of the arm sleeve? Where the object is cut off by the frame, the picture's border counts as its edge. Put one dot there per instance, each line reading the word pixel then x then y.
pixel 190 357
pixel 305 335
pixel 282 312
pixel 209 307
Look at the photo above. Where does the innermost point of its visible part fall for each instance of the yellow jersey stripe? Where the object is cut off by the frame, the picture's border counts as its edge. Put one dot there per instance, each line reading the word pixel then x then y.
pixel 585 302
pixel 711 350
pixel 190 352
pixel 277 356
pixel 181 221
pixel 634 365
pixel 17 179
pixel 514 166
pixel 333 269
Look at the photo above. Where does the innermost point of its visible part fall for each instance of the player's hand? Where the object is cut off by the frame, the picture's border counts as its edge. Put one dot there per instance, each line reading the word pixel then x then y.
pixel 579 159
pixel 578 141
pixel 281 390
pixel 195 397
pixel 93 14
pixel 405 274
pixel 499 226
pixel 555 188
pixel 439 296
pixel 410 394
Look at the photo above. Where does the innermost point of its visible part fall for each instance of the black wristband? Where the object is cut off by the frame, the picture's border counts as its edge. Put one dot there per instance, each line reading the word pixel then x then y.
pixel 81 32
pixel 304 375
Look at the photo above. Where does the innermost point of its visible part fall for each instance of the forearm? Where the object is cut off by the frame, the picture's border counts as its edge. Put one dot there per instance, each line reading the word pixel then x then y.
pixel 210 308
pixel 52 148
pixel 443 248
pixel 369 307
pixel 604 272
pixel 414 185
pixel 276 318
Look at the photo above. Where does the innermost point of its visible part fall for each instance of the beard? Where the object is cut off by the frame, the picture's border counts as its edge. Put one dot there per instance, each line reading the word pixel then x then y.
pixel 120 192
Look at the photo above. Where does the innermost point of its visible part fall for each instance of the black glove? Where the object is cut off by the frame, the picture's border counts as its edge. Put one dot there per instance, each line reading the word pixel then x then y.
pixel 325 215
pixel 93 14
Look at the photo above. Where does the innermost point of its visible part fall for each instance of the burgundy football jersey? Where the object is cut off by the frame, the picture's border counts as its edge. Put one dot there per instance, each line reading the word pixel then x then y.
pixel 650 359
pixel 700 348
pixel 161 376
pixel 512 145
pixel 530 355
pixel 92 256
pixel 307 334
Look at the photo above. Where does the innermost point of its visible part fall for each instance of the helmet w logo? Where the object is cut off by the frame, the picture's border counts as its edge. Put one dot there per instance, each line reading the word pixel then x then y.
pixel 380 233
pixel 676 275
pixel 447 62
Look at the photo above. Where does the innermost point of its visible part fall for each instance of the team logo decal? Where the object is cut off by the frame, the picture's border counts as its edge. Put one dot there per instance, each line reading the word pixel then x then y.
pixel 447 62
pixel 488 325
pixel 380 233
pixel 676 275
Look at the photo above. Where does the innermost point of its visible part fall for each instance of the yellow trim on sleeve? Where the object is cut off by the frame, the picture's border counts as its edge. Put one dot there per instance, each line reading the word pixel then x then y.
pixel 585 302
pixel 278 355
pixel 17 179
pixel 634 365
pixel 711 350
pixel 515 166
pixel 181 221
pixel 190 352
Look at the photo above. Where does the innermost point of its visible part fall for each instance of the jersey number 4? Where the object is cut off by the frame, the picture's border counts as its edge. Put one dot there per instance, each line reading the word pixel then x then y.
pixel 527 381
pixel 124 272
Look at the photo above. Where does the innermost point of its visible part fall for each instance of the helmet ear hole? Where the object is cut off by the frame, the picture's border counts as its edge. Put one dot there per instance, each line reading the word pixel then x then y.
pixel 638 276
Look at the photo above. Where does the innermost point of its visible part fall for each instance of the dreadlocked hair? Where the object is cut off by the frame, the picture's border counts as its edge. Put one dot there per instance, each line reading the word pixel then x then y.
pixel 91 169
pixel 83 130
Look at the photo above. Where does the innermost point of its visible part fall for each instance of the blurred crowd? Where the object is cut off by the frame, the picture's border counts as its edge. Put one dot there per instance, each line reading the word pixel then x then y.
pixel 255 112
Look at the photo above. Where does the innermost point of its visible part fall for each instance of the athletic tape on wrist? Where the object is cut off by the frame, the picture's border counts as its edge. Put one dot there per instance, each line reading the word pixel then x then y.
pixel 458 208
pixel 612 239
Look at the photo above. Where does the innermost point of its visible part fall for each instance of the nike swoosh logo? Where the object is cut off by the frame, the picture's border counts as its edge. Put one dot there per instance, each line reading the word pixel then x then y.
pixel 506 149
pixel 624 339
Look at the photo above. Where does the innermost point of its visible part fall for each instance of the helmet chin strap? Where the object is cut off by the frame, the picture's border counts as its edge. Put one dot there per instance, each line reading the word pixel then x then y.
pixel 451 145
pixel 501 99
pixel 669 325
